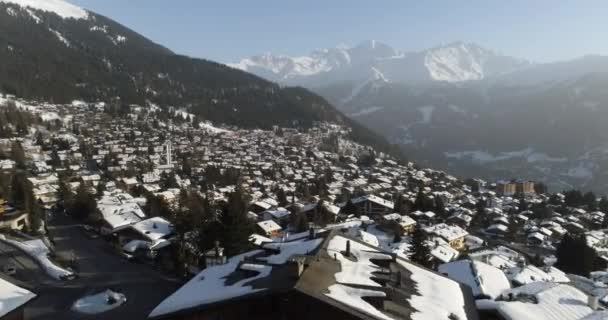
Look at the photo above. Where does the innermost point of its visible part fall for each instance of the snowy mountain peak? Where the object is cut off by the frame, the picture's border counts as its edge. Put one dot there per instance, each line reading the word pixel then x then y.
pixel 59 7
pixel 453 62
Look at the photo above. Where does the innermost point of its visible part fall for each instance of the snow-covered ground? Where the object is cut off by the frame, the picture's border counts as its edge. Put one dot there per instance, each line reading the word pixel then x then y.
pixel 211 128
pixel 365 111
pixel 38 250
pixel 99 303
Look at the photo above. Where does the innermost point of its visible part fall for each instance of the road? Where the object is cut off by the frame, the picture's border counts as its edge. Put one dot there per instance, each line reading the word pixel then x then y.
pixel 99 268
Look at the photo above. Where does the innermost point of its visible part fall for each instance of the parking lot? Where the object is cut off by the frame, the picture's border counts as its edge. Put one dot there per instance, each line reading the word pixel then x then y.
pixel 99 268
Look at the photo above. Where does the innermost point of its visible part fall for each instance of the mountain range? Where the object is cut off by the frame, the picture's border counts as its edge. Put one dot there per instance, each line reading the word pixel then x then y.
pixel 466 108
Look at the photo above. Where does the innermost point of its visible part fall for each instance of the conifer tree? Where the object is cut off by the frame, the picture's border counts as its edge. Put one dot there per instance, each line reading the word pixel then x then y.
pixel 421 253
pixel 236 227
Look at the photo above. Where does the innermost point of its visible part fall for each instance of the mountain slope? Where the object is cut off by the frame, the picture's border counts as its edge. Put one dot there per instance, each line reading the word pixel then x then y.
pixel 53 51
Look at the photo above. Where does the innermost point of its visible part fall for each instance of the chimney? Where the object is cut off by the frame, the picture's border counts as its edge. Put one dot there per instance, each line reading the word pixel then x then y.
pixel 592 302
pixel 347 248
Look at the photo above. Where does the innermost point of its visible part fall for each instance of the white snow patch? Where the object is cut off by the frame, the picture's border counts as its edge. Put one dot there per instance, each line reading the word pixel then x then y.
pixel 60 37
pixel 365 111
pixel 102 29
pixel 209 127
pixel 11 12
pixel 40 252
pixel 36 18
pixel 374 79
pixel 99 303
pixel 453 64
pixel 50 116
pixel 59 7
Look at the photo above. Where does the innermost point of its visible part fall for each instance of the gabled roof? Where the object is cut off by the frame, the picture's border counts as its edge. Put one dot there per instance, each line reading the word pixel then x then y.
pixel 154 228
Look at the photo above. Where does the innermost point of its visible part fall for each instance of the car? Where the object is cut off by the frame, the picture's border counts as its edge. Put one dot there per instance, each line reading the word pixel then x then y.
pixel 89 232
pixel 127 256
pixel 9 269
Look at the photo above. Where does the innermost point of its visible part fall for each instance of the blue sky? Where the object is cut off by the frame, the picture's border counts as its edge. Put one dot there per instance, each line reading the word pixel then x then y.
pixel 226 30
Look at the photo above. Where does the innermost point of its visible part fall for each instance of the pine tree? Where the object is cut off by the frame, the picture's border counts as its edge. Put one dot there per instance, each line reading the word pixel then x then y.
pixel 322 215
pixel 575 256
pixel 18 187
pixel 83 205
pixel 282 197
pixel 421 253
pixel 18 155
pixel 350 208
pixel 300 223
pixel 440 208
pixel 236 227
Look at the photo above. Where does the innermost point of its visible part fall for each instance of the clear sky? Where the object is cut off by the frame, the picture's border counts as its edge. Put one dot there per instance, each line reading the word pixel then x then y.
pixel 227 30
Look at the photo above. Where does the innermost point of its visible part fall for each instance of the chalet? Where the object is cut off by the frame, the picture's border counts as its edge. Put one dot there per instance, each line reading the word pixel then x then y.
pixel 280 215
pixel 316 278
pixel 269 228
pixel 453 235
pixel 13 219
pixel 118 212
pixel 373 206
pixel 497 230
pixel 405 223
pixel 146 238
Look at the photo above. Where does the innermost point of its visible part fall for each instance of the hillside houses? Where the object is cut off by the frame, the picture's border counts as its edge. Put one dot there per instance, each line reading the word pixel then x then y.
pixel 335 230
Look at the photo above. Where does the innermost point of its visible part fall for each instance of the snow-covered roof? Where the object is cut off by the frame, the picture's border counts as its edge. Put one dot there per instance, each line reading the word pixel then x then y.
pixel 153 228
pixel 374 199
pixel 552 302
pixel 530 273
pixel 352 297
pixel 483 278
pixel 447 232
pixel 269 226
pixel 358 271
pixel 437 297
pixel 444 253
pixel 12 297
pixel 289 249
pixel 120 212
pixel 210 286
